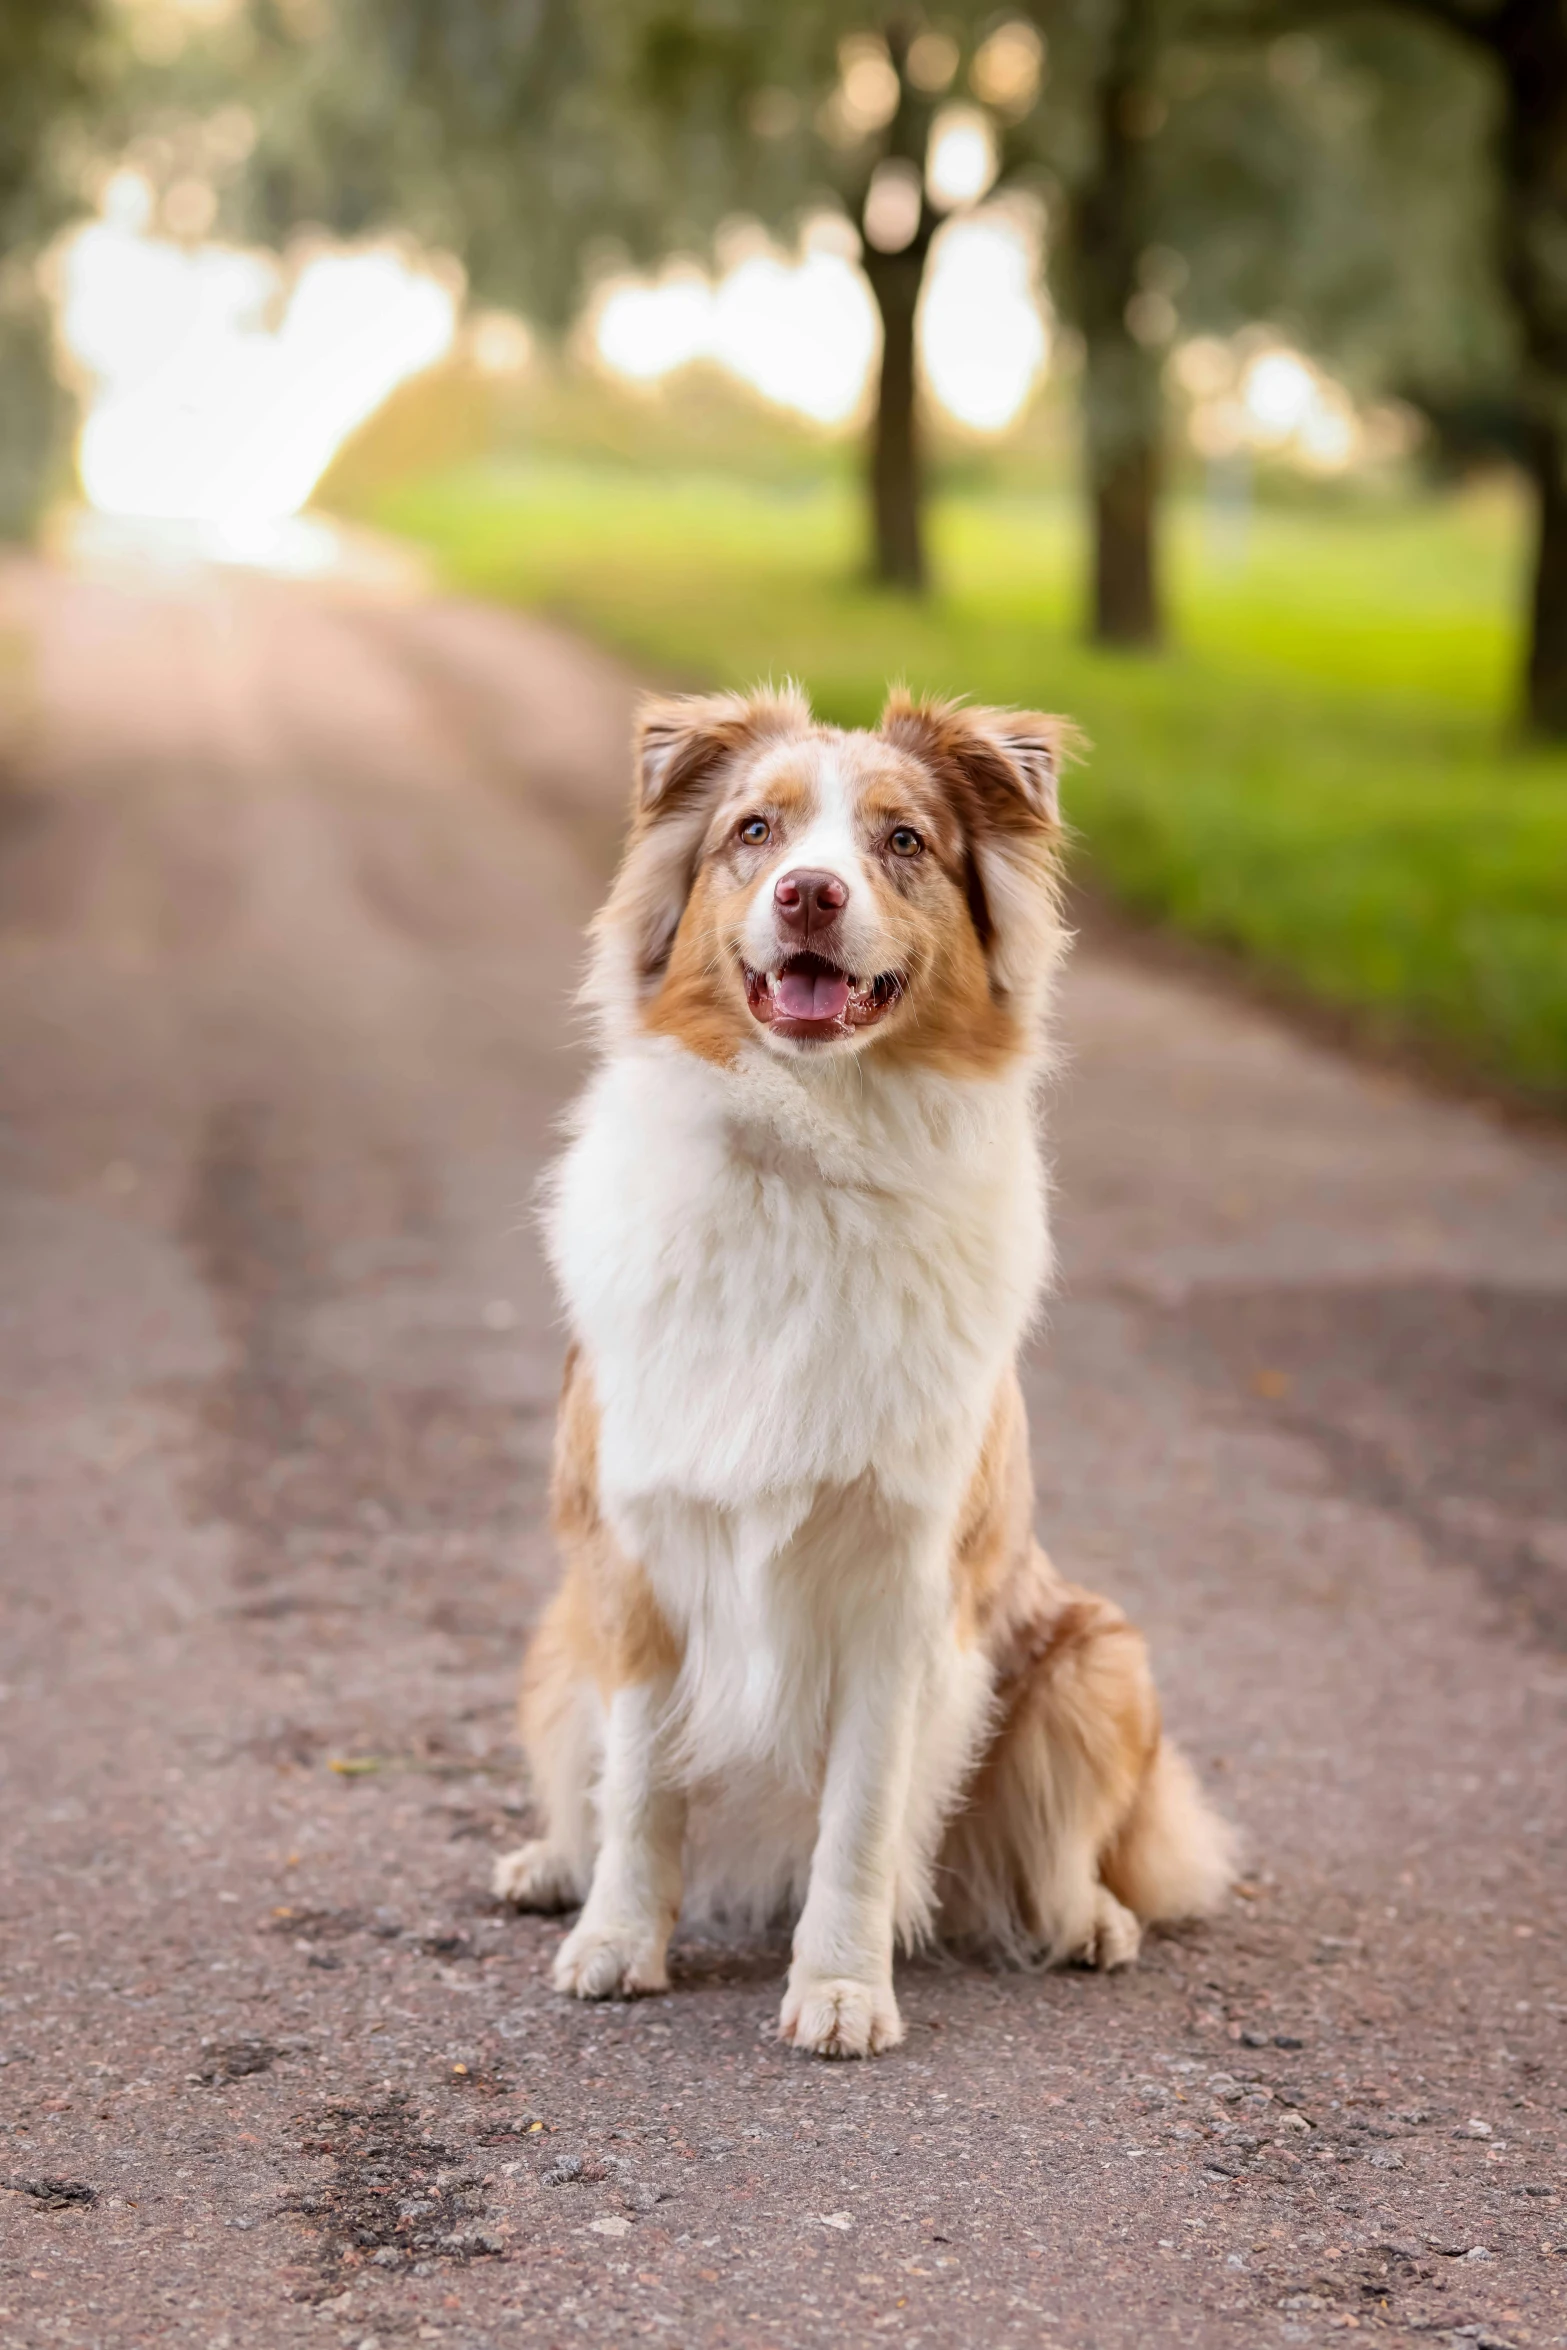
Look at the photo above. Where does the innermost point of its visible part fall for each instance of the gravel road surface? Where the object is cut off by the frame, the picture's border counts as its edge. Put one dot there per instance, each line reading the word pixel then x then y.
pixel 291 887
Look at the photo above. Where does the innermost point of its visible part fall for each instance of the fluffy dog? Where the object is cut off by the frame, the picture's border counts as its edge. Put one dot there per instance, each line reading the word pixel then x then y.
pixel 807 1654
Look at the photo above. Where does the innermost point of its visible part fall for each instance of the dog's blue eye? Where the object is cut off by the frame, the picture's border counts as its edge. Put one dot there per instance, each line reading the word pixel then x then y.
pixel 756 829
pixel 905 841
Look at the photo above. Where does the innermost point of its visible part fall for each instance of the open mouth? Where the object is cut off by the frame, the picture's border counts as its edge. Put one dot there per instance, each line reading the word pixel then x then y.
pixel 810 998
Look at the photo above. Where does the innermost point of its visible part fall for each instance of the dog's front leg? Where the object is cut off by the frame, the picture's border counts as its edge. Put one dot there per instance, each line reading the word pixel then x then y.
pixel 619 1943
pixel 839 2000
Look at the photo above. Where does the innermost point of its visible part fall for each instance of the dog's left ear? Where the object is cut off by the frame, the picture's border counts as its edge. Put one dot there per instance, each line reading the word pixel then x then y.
pixel 1005 765
pixel 1001 770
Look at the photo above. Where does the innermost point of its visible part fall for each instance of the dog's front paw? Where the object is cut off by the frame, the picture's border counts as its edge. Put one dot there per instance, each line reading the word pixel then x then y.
pixel 594 1964
pixel 833 2015
pixel 536 1876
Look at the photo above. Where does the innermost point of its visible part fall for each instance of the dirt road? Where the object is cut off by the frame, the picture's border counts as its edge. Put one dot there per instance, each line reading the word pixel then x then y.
pixel 290 894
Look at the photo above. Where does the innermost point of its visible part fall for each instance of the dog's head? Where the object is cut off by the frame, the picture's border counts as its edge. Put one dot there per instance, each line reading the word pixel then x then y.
pixel 830 893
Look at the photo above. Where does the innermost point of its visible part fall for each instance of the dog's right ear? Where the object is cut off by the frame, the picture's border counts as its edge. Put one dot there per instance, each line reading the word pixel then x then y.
pixel 679 739
pixel 684 747
pixel 683 740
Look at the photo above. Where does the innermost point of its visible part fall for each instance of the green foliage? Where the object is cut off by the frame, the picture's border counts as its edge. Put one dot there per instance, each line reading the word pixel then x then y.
pixel 1339 185
pixel 35 414
pixel 500 130
pixel 1335 183
pixel 48 55
pixel 1314 781
pixel 52 56
pixel 702 420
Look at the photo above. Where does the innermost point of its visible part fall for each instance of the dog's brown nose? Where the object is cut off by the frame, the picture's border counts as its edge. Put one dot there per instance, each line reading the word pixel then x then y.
pixel 809 901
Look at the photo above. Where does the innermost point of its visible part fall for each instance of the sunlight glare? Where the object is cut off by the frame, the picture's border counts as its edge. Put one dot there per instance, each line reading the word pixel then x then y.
pixel 647 331
pixel 800 332
pixel 1253 394
pixel 803 331
pixel 983 338
pixel 962 161
pixel 220 389
pixel 1279 390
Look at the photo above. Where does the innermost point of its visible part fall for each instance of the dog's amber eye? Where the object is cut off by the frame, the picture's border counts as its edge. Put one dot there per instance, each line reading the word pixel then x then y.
pixel 755 830
pixel 905 841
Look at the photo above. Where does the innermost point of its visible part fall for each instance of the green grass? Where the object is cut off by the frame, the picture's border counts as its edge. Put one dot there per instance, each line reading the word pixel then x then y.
pixel 1321 776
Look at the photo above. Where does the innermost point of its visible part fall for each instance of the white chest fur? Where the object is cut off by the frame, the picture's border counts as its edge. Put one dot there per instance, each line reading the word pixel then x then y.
pixel 797 1294
pixel 786 1281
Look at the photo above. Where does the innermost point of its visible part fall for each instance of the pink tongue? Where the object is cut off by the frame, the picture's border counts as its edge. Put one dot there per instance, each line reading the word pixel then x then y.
pixel 808 995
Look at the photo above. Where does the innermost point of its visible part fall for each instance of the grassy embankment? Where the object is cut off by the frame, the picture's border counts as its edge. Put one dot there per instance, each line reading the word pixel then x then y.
pixel 1320 778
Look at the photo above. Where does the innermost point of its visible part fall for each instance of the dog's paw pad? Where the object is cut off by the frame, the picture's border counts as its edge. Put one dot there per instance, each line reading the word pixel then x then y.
pixel 535 1876
pixel 594 1965
pixel 832 2015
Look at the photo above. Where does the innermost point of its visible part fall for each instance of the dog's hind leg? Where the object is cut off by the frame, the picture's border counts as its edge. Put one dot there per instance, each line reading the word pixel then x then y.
pixel 563 1734
pixel 1082 1825
pixel 562 1710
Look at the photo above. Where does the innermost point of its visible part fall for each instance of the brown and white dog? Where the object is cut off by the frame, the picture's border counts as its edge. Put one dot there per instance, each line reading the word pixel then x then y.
pixel 807 1653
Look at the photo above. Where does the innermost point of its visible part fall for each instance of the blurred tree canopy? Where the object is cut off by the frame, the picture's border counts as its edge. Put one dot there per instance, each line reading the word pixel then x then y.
pixel 1188 177
pixel 1187 174
pixel 48 53
pixel 50 58
pixel 1379 181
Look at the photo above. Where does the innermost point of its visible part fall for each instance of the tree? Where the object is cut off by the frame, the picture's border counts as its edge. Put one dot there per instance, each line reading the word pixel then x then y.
pixel 535 142
pixel 1193 179
pixel 775 111
pixel 1524 44
pixel 1231 170
pixel 1460 180
pixel 1112 210
pixel 896 273
pixel 47 60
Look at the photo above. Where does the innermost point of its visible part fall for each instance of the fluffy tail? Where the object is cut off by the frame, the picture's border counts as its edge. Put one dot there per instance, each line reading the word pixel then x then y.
pixel 1174 1856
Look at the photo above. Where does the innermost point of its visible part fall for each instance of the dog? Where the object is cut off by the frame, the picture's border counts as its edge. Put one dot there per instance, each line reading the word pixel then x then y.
pixel 807 1657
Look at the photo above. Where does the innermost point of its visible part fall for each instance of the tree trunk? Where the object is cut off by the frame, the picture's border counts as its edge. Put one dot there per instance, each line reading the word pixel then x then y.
pixel 1529 41
pixel 1545 674
pixel 895 469
pixel 897 486
pixel 1124 488
pixel 1122 402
